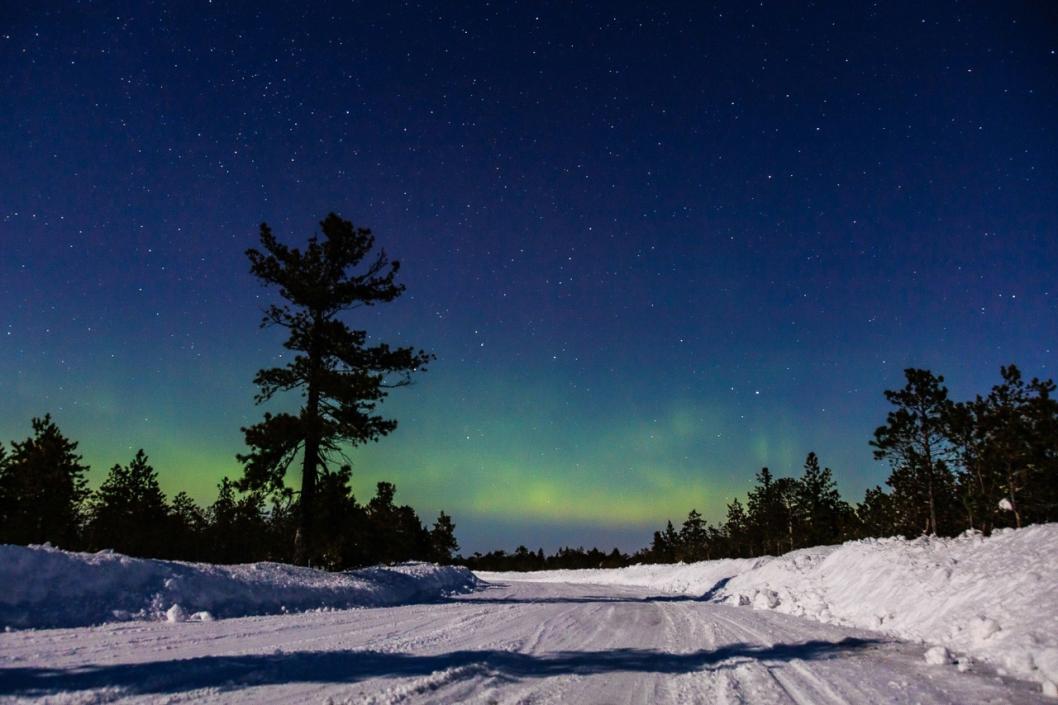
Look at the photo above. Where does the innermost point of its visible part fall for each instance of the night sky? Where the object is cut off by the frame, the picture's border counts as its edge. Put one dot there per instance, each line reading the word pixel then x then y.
pixel 654 248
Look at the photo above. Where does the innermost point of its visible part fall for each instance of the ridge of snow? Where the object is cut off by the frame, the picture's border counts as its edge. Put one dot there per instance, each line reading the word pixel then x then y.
pixel 994 598
pixel 46 587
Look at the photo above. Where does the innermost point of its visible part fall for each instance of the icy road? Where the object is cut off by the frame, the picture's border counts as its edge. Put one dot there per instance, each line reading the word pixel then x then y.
pixel 508 643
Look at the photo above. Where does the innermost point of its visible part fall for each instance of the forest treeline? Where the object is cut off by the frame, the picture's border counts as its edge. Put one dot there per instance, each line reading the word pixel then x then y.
pixel 982 464
pixel 44 498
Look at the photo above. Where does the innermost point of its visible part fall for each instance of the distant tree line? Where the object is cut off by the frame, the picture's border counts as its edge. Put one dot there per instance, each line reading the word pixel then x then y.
pixel 522 559
pixel 987 463
pixel 982 464
pixel 44 498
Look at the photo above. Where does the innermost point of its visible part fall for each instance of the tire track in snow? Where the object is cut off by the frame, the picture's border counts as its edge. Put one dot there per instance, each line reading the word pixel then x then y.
pixel 519 644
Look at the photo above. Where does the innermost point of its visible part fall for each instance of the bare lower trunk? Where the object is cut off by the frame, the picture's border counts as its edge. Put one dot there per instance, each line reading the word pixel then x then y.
pixel 932 509
pixel 305 539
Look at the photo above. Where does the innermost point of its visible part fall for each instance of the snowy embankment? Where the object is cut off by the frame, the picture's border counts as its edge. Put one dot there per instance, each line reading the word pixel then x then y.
pixel 993 599
pixel 47 587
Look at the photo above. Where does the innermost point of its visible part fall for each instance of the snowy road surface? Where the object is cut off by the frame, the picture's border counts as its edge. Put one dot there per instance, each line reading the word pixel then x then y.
pixel 509 643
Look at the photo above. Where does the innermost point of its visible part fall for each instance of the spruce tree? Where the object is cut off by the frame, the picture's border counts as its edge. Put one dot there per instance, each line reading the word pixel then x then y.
pixel 189 525
pixel 767 521
pixel 128 512
pixel 342 379
pixel 42 489
pixel 737 528
pixel 820 509
pixel 237 526
pixel 443 542
pixel 693 535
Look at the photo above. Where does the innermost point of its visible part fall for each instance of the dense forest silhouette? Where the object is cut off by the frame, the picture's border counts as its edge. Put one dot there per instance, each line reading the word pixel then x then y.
pixel 983 464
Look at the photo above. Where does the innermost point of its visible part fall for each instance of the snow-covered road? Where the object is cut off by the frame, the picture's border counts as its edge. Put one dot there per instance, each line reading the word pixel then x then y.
pixel 508 643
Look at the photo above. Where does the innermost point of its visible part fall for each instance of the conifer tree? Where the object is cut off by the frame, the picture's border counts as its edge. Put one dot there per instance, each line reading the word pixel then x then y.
pixel 341 378
pixel 820 508
pixel 737 529
pixel 875 514
pixel 397 533
pixel 766 514
pixel 1007 446
pixel 237 526
pixel 693 535
pixel 786 489
pixel 42 489
pixel 443 539
pixel 189 524
pixel 128 513
pixel 914 442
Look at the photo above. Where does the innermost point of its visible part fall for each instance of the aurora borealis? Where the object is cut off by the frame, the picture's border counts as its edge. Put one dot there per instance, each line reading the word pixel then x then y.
pixel 652 248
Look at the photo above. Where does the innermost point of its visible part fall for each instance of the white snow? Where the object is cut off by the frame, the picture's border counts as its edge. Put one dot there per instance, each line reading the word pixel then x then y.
pixel 938 656
pixel 46 587
pixel 995 598
pixel 175 613
pixel 706 632
pixel 519 642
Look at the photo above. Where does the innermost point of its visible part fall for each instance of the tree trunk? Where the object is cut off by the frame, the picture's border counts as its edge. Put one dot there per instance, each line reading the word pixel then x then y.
pixel 305 539
pixel 932 508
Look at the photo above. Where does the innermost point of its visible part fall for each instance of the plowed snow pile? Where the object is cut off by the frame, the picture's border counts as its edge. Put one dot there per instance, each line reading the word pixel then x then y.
pixel 46 587
pixel 994 599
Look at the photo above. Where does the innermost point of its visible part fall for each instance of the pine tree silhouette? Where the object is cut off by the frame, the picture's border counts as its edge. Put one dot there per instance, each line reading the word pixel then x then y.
pixel 341 377
pixel 128 513
pixel 915 443
pixel 42 489
pixel 443 542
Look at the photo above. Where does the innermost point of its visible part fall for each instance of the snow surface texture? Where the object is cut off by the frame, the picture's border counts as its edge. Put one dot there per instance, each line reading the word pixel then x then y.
pixel 994 599
pixel 524 642
pixel 46 587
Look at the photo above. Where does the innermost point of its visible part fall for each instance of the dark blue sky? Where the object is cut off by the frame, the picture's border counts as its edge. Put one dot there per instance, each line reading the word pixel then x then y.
pixel 653 247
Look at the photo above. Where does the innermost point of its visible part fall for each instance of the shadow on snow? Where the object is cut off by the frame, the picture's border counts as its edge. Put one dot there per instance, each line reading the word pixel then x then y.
pixel 232 672
pixel 473 597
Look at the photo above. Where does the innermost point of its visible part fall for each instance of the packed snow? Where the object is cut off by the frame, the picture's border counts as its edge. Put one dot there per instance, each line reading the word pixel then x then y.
pixel 46 587
pixel 518 642
pixel 994 599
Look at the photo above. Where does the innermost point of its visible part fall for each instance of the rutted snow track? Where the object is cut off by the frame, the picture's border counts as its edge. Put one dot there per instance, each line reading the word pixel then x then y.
pixel 516 643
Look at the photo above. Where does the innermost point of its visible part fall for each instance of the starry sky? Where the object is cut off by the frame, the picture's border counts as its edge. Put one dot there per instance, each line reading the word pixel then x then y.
pixel 654 246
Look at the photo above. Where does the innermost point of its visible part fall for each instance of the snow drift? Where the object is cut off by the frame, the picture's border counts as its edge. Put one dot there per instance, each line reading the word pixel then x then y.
pixel 47 587
pixel 994 599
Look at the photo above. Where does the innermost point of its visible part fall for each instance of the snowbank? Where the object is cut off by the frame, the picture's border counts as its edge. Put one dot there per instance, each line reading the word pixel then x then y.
pixel 995 599
pixel 705 578
pixel 47 587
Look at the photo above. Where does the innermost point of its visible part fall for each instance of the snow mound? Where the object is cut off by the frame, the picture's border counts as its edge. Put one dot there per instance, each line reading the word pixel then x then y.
pixel 47 587
pixel 994 599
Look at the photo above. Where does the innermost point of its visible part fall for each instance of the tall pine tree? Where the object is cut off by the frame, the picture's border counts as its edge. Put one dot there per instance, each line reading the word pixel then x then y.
pixel 341 378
